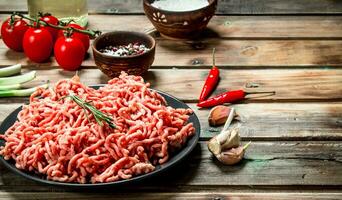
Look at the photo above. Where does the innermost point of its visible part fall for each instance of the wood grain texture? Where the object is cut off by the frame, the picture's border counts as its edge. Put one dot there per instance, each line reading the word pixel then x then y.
pixel 235 27
pixel 262 121
pixel 296 134
pixel 230 53
pixel 258 42
pixel 232 27
pixel 181 196
pixel 282 121
pixel 250 53
pixel 289 84
pixel 277 164
pixel 238 7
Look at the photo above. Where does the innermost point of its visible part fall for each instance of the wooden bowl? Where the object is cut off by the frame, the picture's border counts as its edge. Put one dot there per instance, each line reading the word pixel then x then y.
pixel 113 65
pixel 179 24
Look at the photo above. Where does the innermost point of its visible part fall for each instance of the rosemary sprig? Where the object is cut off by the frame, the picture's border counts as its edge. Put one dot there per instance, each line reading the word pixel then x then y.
pixel 98 115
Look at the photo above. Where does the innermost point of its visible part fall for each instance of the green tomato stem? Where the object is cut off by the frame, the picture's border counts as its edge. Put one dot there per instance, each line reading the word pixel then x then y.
pixel 91 33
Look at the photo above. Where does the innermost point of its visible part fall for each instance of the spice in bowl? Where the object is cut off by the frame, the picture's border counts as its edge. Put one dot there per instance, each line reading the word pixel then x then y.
pixel 131 49
pixel 180 5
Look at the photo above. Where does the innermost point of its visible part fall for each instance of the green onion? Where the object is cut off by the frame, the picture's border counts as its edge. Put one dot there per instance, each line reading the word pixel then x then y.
pixel 98 115
pixel 21 93
pixel 18 79
pixel 8 71
pixel 10 87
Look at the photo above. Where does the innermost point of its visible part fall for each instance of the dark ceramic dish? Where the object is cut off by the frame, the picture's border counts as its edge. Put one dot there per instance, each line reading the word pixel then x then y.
pixel 113 65
pixel 174 159
pixel 179 24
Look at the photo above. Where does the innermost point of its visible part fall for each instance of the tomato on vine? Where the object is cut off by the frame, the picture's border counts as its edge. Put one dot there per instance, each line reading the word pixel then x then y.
pixel 12 33
pixel 37 44
pixel 81 36
pixel 69 52
pixel 48 18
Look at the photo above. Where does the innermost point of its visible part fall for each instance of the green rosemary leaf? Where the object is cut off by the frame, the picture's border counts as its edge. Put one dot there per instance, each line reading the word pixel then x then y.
pixel 98 115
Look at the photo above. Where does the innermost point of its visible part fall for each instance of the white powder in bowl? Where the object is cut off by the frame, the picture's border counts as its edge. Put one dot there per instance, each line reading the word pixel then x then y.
pixel 180 5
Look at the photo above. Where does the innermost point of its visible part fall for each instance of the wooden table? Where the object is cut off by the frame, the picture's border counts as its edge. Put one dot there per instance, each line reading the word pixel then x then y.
pixel 293 47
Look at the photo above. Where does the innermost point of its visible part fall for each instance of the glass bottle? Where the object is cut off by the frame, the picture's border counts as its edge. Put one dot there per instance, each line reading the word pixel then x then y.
pixel 64 10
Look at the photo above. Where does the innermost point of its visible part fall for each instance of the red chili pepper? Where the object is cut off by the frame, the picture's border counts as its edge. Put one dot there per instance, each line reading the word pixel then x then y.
pixel 211 81
pixel 227 97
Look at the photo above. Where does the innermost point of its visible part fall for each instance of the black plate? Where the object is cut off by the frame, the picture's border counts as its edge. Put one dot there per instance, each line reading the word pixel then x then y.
pixel 176 158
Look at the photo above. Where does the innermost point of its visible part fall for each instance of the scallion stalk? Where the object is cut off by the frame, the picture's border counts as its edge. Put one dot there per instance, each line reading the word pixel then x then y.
pixel 11 70
pixel 22 92
pixel 10 87
pixel 18 79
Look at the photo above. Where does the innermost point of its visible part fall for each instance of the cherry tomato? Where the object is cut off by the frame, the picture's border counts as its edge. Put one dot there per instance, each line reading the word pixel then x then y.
pixel 83 37
pixel 13 35
pixel 37 44
pixel 69 52
pixel 51 20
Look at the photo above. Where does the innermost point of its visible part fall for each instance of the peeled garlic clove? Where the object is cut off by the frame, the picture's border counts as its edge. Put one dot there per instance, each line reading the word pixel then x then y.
pixel 218 115
pixel 233 140
pixel 214 145
pixel 231 156
pixel 225 137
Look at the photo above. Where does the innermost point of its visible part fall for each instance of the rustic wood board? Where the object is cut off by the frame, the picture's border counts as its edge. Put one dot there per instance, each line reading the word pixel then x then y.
pixel 289 84
pixel 230 53
pixel 236 7
pixel 159 195
pixel 275 121
pixel 265 164
pixel 282 121
pixel 239 44
pixel 293 47
pixel 234 27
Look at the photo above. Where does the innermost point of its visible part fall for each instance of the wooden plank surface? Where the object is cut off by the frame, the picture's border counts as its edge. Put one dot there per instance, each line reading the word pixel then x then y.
pixel 230 53
pixel 232 27
pixel 267 44
pixel 235 27
pixel 296 134
pixel 264 121
pixel 282 121
pixel 155 196
pixel 260 120
pixel 266 164
pixel 186 84
pixel 237 7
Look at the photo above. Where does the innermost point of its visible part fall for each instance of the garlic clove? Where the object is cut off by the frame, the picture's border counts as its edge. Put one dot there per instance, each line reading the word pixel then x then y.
pixel 214 146
pixel 218 115
pixel 231 156
pixel 218 143
pixel 233 140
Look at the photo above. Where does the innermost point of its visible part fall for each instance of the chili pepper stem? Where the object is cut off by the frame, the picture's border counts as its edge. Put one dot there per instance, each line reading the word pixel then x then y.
pixel 214 57
pixel 246 145
pixel 263 92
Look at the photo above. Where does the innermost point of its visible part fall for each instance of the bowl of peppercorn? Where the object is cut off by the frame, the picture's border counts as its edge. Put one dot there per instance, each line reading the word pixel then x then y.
pixel 132 52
